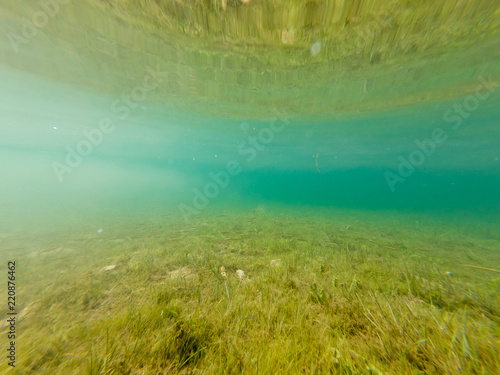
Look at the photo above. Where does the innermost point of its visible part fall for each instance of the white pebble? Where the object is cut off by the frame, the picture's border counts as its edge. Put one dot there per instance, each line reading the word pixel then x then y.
pixel 240 274
pixel 316 48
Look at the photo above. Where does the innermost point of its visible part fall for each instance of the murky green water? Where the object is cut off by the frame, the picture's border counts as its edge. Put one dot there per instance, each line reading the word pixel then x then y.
pixel 125 117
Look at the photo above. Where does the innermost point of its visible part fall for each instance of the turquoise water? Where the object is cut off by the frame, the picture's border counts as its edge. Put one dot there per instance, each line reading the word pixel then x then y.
pixel 161 138
pixel 411 159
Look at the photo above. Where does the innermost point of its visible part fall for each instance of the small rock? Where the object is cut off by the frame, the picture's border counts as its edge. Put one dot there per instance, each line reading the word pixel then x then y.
pixel 222 271
pixel 109 268
pixel 287 36
pixel 183 273
pixel 240 274
pixel 276 263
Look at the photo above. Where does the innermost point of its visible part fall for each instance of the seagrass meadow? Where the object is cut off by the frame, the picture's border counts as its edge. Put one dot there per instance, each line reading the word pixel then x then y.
pixel 249 187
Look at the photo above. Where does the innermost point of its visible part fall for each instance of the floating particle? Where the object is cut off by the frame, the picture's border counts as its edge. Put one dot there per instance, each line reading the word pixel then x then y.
pixel 99 231
pixel 316 48
pixel 54 127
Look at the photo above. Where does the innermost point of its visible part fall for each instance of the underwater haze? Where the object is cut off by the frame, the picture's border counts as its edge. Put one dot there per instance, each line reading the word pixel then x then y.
pixel 250 187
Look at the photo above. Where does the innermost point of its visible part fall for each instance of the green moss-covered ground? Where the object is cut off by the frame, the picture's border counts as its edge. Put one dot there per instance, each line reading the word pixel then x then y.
pixel 347 293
